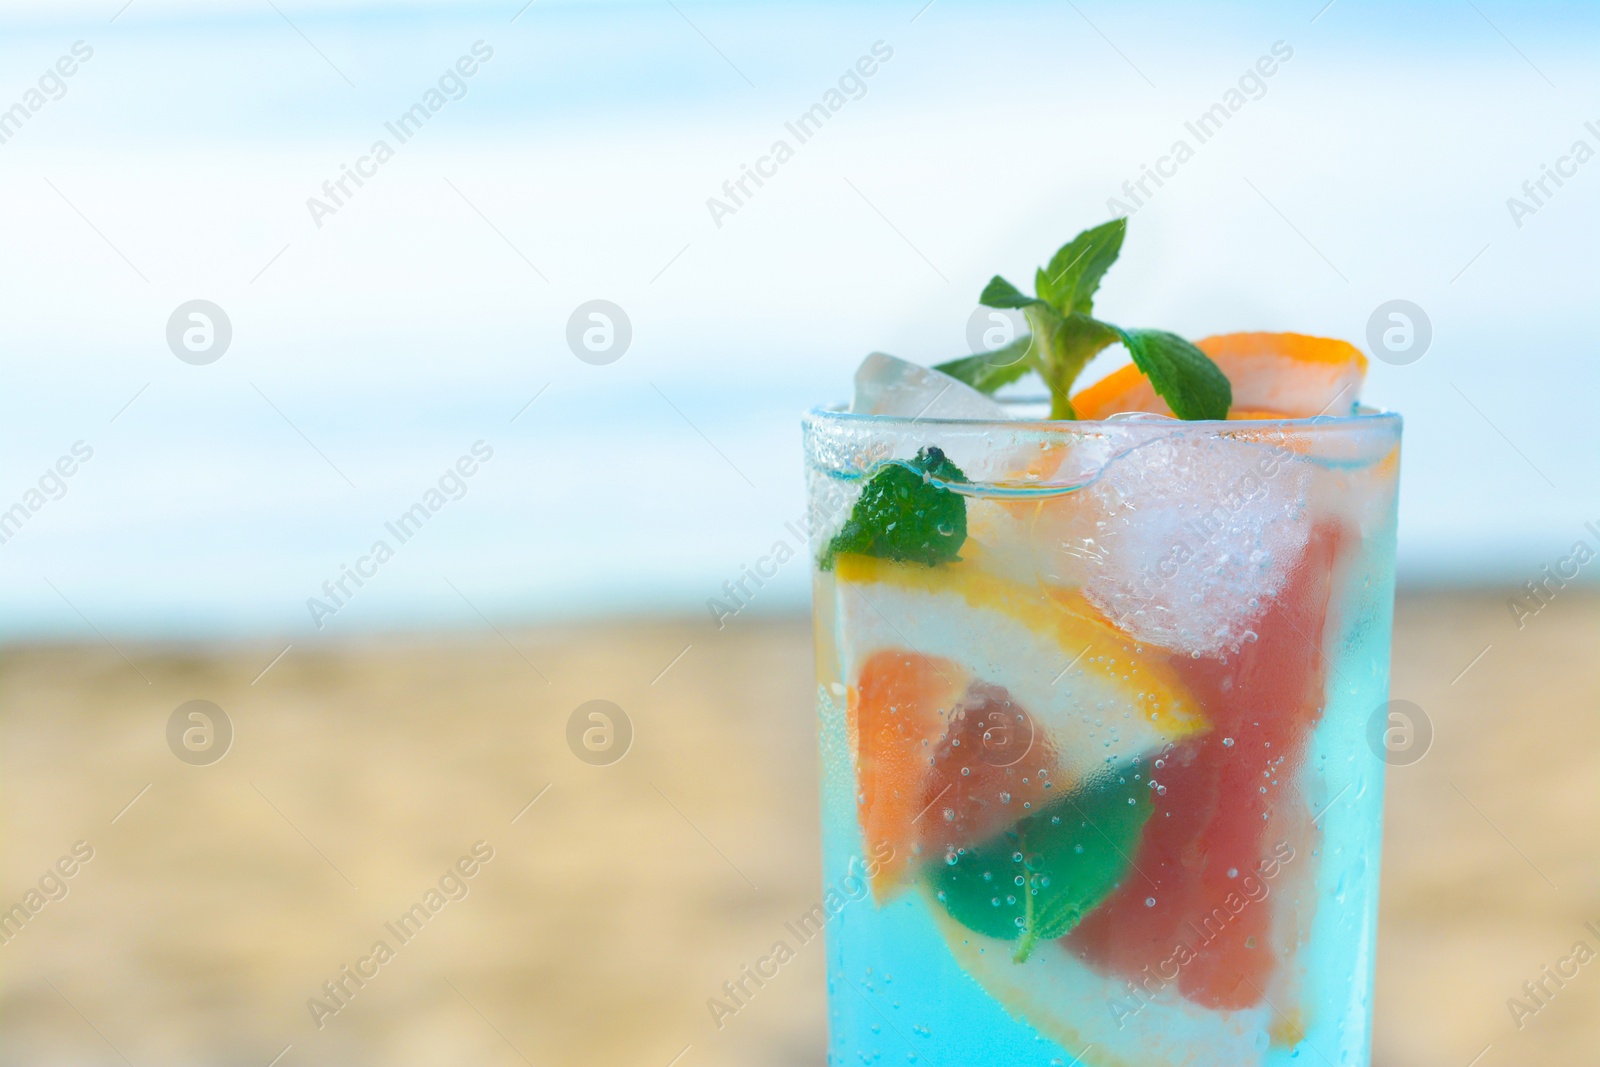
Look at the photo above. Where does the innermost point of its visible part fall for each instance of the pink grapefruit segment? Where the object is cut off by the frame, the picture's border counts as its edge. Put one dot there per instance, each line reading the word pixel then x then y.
pixel 1209 831
pixel 897 710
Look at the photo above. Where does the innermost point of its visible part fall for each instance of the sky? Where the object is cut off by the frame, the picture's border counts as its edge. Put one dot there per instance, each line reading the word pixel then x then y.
pixel 377 338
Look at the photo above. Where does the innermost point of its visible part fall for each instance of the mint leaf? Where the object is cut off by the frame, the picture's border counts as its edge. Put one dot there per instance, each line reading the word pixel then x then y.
pixel 1074 853
pixel 1069 283
pixel 1183 376
pixel 988 371
pixel 1000 293
pixel 902 516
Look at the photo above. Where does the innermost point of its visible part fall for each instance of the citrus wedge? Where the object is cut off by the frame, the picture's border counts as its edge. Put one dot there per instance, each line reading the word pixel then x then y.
pixel 1210 842
pixel 1103 1020
pixel 897 710
pixel 982 697
pixel 1274 375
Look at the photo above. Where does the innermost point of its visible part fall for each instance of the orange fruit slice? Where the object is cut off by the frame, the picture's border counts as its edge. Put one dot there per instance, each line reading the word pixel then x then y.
pixel 1274 375
pixel 976 695
pixel 897 710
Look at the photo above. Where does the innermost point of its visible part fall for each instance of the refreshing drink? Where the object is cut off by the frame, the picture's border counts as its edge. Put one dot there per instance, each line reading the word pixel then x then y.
pixel 1094 696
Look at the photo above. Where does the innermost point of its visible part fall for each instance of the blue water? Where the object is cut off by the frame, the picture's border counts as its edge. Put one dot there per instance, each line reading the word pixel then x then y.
pixel 898 994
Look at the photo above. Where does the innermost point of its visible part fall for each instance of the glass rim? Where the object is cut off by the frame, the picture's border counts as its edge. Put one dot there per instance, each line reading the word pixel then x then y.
pixel 1362 417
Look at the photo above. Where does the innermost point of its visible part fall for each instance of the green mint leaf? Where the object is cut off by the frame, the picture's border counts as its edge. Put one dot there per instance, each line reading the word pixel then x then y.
pixel 1069 343
pixel 1183 376
pixel 903 516
pixel 988 371
pixel 1069 283
pixel 1075 852
pixel 1000 293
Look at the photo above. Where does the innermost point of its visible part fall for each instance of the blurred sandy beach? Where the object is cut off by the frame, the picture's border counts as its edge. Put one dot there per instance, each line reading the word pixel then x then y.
pixel 365 779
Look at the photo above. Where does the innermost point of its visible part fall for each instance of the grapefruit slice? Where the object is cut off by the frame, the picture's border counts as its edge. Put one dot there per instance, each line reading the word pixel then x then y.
pixel 991 766
pixel 1274 375
pixel 1105 992
pixel 1209 835
pixel 983 697
pixel 896 708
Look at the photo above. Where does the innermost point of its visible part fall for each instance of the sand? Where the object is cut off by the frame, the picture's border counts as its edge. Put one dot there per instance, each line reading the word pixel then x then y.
pixel 220 898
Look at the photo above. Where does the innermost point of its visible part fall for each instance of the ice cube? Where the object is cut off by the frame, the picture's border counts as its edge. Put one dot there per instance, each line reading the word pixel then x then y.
pixel 889 386
pixel 1183 541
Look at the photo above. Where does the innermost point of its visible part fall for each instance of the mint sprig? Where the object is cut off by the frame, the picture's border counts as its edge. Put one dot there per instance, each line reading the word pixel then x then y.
pixel 901 515
pixel 1065 336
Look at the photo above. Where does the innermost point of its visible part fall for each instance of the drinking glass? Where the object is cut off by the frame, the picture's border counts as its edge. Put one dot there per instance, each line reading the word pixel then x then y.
pixel 1108 755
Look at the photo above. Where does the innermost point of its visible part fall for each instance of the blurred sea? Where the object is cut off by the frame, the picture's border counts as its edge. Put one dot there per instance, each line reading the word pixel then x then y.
pixel 371 351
